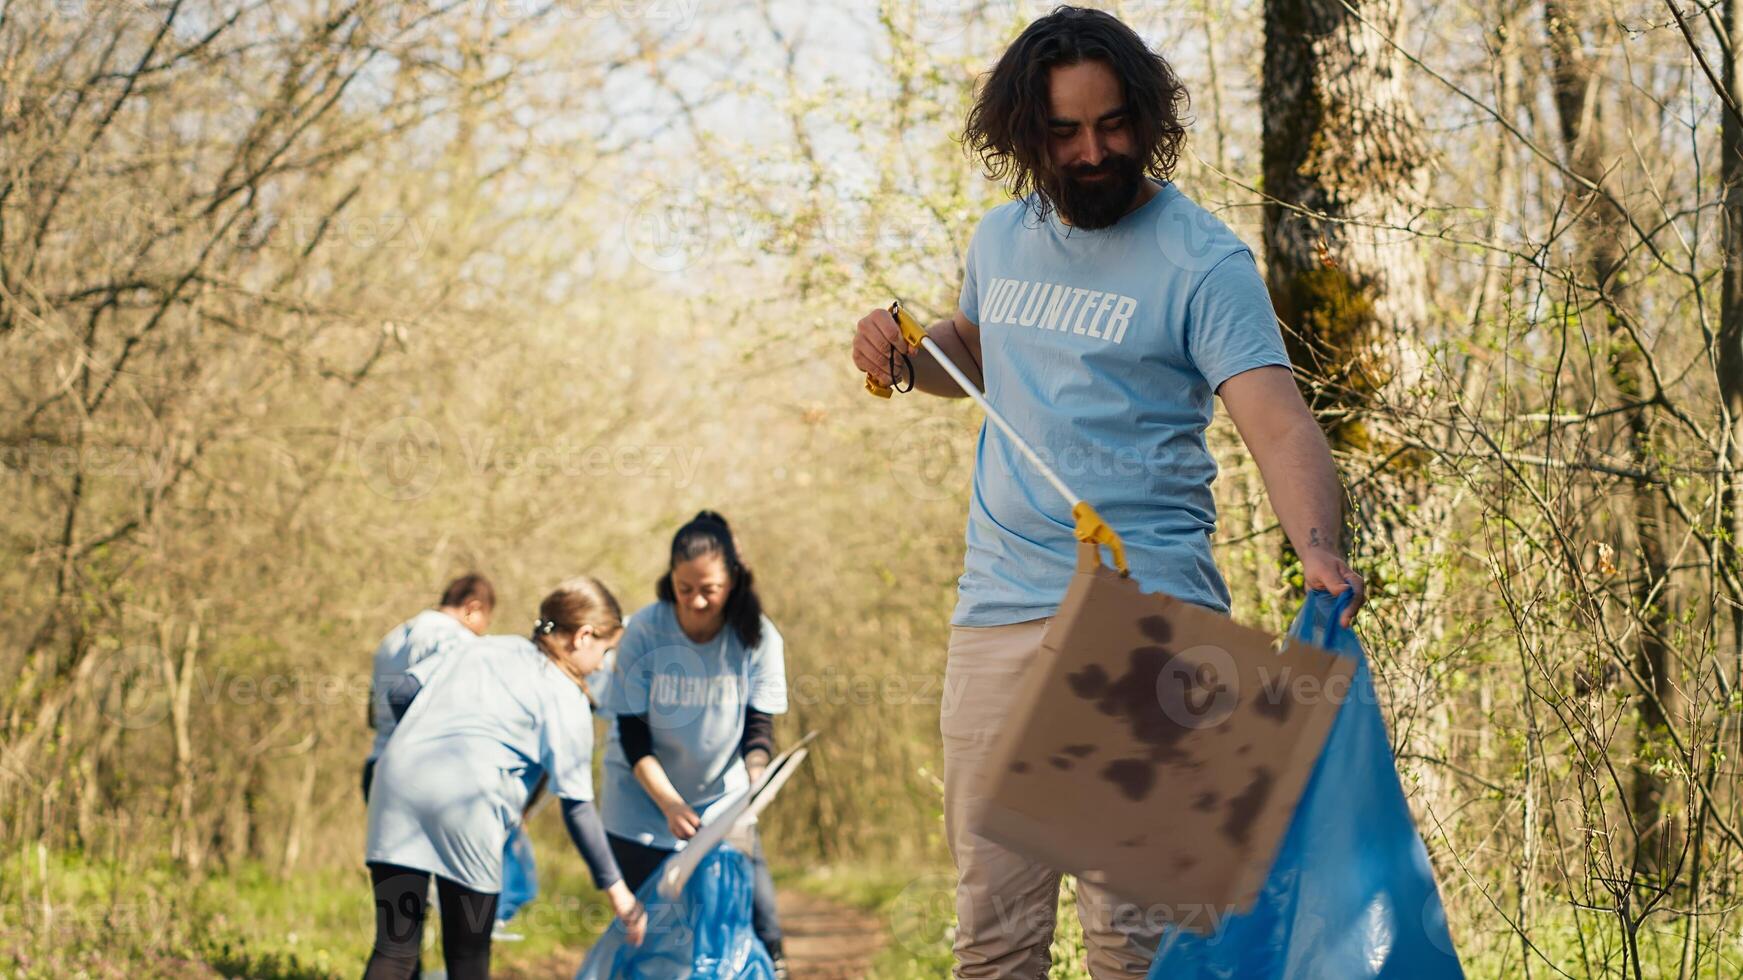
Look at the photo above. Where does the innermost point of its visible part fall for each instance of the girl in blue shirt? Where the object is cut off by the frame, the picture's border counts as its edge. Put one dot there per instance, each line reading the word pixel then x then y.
pixel 478 725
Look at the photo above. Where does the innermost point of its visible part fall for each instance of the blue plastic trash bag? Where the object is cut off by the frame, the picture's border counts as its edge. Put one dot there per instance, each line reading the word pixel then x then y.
pixel 1351 895
pixel 520 877
pixel 705 935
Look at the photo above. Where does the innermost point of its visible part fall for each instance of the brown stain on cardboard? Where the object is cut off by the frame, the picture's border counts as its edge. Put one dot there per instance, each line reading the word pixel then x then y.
pixel 1243 809
pixel 1156 628
pixel 1273 701
pixel 1134 777
pixel 1088 683
pixel 1133 697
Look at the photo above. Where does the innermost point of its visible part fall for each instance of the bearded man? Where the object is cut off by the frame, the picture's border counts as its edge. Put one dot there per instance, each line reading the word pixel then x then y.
pixel 1100 311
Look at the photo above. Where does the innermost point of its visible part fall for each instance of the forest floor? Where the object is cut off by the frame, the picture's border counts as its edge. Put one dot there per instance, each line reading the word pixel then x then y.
pixel 824 939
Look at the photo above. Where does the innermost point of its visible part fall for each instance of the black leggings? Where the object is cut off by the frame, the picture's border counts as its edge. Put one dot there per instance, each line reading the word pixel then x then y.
pixel 400 906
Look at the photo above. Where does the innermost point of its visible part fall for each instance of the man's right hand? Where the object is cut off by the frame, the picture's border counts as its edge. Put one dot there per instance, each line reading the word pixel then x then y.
pixel 876 336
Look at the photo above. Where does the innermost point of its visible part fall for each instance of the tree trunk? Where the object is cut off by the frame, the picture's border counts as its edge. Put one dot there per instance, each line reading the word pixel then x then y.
pixel 1344 163
pixel 1575 79
pixel 293 843
pixel 1343 160
pixel 187 844
pixel 1731 302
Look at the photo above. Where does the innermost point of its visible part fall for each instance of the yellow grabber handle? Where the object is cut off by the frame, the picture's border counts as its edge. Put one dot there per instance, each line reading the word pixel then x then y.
pixel 911 332
pixel 1090 526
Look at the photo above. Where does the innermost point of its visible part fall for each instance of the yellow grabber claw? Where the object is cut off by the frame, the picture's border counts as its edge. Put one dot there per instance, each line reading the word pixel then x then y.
pixel 1091 528
pixel 912 332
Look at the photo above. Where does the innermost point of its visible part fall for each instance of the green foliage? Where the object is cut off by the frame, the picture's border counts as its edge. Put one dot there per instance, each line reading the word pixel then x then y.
pixel 67 914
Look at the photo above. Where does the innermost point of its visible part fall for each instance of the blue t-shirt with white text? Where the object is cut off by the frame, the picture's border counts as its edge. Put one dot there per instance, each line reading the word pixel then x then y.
pixel 694 696
pixel 1104 349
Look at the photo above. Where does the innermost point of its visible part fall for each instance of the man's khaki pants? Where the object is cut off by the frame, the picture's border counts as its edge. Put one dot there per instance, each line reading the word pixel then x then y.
pixel 1005 903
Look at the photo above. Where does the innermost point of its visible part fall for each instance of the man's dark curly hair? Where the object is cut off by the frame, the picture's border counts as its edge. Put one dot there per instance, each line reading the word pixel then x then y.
pixel 1007 127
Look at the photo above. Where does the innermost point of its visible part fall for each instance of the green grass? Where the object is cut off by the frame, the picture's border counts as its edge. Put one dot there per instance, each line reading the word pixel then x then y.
pixel 69 915
pixel 66 915
pixel 916 910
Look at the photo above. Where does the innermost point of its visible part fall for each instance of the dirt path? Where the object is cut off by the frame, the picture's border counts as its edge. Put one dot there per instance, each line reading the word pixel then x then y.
pixel 825 940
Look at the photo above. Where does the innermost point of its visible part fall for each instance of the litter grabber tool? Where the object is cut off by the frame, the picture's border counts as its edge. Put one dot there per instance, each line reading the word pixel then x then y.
pixel 1090 526
pixel 736 819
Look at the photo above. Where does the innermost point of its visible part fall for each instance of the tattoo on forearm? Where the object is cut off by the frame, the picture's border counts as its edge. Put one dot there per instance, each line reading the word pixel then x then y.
pixel 1313 539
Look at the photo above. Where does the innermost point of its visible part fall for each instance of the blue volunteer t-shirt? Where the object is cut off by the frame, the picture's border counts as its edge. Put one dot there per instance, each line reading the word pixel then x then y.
pixel 494 713
pixel 1104 349
pixel 694 696
pixel 409 643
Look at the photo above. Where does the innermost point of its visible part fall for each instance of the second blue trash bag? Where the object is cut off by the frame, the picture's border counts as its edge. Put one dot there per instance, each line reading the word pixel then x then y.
pixel 1351 895
pixel 705 935
pixel 520 876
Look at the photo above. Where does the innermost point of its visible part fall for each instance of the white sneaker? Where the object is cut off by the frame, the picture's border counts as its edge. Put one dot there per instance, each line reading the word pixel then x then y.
pixel 499 933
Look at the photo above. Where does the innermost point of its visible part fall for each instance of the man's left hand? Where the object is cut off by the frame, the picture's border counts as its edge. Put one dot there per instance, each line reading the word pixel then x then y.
pixel 1327 570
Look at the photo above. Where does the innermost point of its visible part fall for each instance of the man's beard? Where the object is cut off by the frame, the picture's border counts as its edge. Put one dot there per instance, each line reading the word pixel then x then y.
pixel 1093 204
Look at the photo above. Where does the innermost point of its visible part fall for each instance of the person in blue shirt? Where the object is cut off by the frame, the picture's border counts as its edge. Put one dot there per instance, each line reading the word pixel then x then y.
pixel 699 675
pixel 479 724
pixel 1101 311
pixel 463 612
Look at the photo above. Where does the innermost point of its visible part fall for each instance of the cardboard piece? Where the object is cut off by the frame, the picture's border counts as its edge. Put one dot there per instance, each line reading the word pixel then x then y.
pixel 733 823
pixel 1159 748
